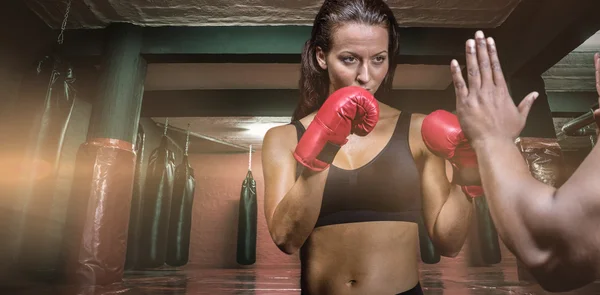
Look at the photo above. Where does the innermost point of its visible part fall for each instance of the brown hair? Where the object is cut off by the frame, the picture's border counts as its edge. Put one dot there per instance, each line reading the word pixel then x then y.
pixel 314 81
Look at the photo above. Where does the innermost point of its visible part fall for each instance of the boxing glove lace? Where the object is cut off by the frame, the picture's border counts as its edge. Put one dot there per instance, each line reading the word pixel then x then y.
pixel 444 137
pixel 348 110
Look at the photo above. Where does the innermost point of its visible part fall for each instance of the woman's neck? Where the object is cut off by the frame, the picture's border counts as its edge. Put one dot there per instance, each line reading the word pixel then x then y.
pixel 386 111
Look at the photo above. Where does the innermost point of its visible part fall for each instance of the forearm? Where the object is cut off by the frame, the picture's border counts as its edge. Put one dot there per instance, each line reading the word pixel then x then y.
pixel 583 186
pixel 296 215
pixel 520 205
pixel 452 224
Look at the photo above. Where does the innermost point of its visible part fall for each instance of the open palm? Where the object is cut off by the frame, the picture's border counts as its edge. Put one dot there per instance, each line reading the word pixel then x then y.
pixel 485 108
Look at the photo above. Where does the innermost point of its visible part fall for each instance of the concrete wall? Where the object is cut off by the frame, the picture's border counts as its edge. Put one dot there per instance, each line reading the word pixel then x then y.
pixel 215 213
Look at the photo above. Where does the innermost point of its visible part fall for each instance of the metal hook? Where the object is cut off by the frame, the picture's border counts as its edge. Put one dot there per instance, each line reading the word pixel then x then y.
pixel 187 140
pixel 166 126
pixel 250 159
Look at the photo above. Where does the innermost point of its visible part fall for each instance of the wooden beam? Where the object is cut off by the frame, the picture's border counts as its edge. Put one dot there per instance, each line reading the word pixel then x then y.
pixel 225 40
pixel 262 44
pixel 574 73
pixel 267 102
pixel 203 144
pixel 571 104
pixel 539 33
pixel 219 103
pixel 195 138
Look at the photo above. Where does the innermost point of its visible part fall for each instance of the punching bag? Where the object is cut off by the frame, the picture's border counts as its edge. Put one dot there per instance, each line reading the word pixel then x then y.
pixel 133 233
pixel 429 254
pixel 95 236
pixel 490 246
pixel 156 206
pixel 180 224
pixel 485 240
pixel 54 86
pixel 246 240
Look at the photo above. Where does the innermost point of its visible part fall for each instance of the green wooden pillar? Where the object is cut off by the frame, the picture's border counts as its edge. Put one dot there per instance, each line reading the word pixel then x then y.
pixel 116 109
pixel 99 206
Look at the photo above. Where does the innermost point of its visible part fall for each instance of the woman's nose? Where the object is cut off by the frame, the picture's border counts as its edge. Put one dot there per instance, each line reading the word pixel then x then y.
pixel 363 76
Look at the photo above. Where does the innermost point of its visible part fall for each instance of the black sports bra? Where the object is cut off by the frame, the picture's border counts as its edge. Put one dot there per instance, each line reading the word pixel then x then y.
pixel 388 188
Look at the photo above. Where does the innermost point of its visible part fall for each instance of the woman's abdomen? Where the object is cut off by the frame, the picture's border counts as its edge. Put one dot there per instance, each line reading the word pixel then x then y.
pixel 361 258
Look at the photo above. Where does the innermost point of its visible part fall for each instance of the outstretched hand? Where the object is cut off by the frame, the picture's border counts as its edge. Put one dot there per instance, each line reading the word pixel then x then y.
pixel 485 108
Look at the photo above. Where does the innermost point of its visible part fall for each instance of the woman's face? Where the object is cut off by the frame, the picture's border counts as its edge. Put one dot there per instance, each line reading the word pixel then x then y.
pixel 358 57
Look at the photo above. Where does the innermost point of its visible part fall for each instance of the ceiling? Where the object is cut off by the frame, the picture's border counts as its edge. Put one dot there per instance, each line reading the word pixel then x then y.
pixel 235 134
pixel 189 76
pixel 574 73
pixel 410 13
pixel 221 134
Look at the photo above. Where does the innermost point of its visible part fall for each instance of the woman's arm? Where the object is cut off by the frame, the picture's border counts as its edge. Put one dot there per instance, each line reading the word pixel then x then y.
pixel 291 206
pixel 446 210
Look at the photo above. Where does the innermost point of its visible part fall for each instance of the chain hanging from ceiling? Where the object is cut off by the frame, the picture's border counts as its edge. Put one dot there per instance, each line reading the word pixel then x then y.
pixel 61 36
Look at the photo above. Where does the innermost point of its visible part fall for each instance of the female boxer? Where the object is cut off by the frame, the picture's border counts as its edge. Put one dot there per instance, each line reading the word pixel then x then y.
pixel 347 180
pixel 555 232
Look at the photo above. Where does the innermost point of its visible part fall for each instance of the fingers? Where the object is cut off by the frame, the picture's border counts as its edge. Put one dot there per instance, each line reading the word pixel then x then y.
pixel 483 59
pixel 526 103
pixel 473 74
pixel 496 68
pixel 597 64
pixel 460 88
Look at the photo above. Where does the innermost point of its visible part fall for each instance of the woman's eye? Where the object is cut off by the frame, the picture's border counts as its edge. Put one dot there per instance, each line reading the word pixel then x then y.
pixel 380 59
pixel 349 59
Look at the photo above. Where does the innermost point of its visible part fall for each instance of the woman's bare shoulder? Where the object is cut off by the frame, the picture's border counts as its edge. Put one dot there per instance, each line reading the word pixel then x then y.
pixel 280 137
pixel 416 121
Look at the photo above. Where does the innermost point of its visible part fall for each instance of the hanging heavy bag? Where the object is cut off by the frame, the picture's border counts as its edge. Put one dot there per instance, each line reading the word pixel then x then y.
pixel 48 134
pixel 133 233
pixel 488 236
pixel 94 244
pixel 180 225
pixel 429 254
pixel 156 207
pixel 484 246
pixel 246 239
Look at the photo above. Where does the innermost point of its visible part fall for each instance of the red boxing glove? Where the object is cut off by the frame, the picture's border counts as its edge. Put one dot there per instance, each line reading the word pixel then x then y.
pixel 348 110
pixel 597 117
pixel 444 137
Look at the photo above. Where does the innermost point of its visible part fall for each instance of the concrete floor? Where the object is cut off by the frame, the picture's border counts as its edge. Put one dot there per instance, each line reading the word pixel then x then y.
pixel 451 276
pixel 435 279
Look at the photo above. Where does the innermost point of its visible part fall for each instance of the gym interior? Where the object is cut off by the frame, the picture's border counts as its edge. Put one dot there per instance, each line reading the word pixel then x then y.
pixel 132 134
